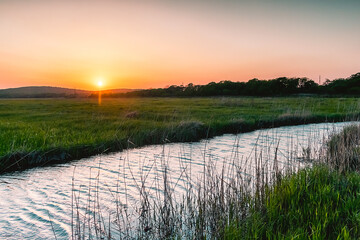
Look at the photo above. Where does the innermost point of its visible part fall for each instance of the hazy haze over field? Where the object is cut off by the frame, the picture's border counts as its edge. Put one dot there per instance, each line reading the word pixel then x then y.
pixel 143 44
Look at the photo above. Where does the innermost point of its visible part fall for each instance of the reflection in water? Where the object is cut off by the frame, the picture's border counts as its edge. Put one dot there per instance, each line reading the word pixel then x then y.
pixel 29 199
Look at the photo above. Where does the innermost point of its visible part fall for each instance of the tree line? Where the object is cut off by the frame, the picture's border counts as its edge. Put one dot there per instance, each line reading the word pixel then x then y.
pixel 274 87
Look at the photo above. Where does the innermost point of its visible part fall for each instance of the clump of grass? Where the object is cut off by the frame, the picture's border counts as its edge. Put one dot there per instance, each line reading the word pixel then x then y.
pixel 294 115
pixel 343 150
pixel 239 125
pixel 320 202
pixel 235 102
pixel 315 203
pixel 133 114
pixel 188 130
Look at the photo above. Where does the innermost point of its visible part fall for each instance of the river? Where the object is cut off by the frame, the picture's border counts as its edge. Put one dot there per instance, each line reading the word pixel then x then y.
pixel 38 203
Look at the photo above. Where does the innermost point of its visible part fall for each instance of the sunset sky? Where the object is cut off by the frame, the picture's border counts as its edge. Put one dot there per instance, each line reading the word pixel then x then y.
pixel 148 44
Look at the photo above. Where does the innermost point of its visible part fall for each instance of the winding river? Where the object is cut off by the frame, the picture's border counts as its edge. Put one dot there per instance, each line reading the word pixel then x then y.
pixel 37 203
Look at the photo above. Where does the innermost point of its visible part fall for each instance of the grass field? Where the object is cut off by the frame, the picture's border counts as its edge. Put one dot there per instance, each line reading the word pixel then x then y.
pixel 38 131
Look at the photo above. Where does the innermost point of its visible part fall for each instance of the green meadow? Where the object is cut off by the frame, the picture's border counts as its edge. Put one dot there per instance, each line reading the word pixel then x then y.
pixel 39 131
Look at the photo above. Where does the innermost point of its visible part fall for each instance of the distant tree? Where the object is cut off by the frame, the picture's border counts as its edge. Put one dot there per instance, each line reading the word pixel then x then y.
pixel 274 87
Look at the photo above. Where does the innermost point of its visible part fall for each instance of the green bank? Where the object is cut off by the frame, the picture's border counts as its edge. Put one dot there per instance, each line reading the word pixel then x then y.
pixel 35 132
pixel 316 203
pixel 321 202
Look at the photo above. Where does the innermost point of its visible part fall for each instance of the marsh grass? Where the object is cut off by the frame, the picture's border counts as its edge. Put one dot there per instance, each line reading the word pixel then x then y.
pixel 343 150
pixel 318 202
pixel 315 203
pixel 292 201
pixel 35 132
pixel 203 211
pixel 205 207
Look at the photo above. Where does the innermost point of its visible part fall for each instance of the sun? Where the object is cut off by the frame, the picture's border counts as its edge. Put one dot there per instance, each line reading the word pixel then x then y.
pixel 100 81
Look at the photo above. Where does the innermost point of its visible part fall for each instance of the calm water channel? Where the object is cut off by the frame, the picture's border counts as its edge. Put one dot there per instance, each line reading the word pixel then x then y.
pixel 29 199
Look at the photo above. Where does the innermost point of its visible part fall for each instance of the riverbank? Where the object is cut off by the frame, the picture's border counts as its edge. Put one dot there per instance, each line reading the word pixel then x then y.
pixel 41 132
pixel 315 203
pixel 320 202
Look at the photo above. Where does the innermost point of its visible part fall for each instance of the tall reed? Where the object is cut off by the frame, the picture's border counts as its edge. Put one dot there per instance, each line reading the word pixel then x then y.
pixel 221 195
pixel 267 199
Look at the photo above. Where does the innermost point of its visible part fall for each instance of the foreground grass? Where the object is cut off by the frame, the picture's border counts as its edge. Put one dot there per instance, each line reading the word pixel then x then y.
pixel 36 132
pixel 315 203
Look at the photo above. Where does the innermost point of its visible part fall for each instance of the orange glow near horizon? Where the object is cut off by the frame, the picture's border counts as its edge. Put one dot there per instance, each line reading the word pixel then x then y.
pixel 142 45
pixel 99 98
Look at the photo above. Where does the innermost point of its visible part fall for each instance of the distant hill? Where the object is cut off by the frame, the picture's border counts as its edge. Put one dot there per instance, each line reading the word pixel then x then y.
pixel 51 92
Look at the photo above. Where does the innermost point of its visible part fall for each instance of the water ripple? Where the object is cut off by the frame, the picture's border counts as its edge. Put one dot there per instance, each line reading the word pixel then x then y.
pixel 36 200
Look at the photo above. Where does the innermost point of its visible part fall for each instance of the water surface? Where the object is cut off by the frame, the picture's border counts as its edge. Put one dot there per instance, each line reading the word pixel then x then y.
pixel 30 199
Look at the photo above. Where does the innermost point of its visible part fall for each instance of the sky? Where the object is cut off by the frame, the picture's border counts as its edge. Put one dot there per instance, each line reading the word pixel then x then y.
pixel 151 44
